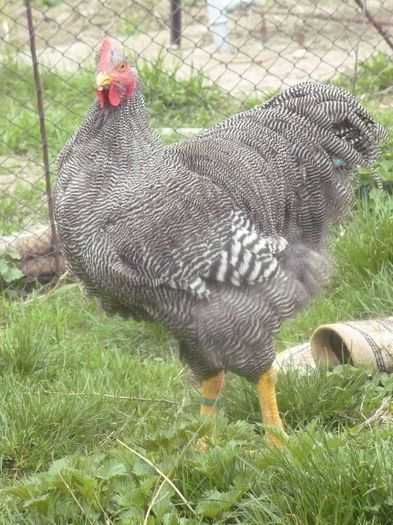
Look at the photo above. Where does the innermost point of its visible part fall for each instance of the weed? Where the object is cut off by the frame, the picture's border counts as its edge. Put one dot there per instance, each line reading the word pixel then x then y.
pixel 373 76
pixel 84 397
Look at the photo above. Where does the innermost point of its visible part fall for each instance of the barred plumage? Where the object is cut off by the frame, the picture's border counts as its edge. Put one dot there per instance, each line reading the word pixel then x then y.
pixel 220 237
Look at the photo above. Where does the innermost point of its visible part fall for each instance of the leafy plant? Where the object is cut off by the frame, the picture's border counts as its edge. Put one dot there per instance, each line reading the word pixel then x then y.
pixel 373 75
pixel 9 272
pixel 73 382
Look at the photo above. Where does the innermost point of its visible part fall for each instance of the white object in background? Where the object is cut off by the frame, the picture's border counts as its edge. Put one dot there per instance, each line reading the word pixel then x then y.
pixel 6 31
pixel 231 5
pixel 217 12
pixel 187 132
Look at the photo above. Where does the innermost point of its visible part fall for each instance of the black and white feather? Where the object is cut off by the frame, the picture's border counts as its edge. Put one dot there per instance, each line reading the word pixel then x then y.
pixel 247 257
pixel 220 237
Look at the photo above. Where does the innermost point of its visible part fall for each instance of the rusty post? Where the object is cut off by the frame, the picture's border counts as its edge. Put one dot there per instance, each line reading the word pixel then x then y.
pixel 44 141
pixel 176 23
pixel 374 23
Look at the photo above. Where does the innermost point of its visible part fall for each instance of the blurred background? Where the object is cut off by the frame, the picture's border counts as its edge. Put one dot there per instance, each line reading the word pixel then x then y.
pixel 200 60
pixel 91 404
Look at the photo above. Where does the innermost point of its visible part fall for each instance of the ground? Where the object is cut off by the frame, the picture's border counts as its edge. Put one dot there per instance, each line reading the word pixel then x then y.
pixel 272 44
pixel 97 413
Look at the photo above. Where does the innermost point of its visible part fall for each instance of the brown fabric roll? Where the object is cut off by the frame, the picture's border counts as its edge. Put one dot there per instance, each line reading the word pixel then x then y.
pixel 363 344
pixel 298 357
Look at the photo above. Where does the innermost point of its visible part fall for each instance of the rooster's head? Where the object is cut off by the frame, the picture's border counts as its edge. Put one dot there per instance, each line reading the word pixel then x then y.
pixel 115 81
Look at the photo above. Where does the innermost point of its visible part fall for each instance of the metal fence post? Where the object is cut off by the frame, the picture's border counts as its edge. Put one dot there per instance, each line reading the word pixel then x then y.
pixel 176 23
pixel 44 141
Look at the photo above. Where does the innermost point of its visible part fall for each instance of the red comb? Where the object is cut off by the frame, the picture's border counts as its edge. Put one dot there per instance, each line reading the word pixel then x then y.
pixel 104 57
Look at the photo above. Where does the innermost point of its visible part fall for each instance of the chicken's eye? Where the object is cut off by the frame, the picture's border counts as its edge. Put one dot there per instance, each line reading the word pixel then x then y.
pixel 121 67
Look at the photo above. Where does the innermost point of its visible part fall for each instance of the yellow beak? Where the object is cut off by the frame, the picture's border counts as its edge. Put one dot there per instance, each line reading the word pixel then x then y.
pixel 103 81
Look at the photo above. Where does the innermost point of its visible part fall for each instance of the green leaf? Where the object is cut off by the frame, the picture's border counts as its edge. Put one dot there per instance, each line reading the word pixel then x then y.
pixel 39 503
pixel 131 497
pixel 3 267
pixel 214 503
pixel 163 504
pixel 12 274
pixel 58 465
pixel 170 519
pixel 132 516
pixel 112 470
pixel 13 255
pixel 143 469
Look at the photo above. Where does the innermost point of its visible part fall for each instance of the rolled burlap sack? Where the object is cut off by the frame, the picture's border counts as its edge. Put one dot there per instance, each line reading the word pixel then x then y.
pixel 298 357
pixel 366 344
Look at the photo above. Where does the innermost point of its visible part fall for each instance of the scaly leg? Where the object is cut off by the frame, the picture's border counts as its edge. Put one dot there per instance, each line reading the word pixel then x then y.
pixel 266 387
pixel 211 389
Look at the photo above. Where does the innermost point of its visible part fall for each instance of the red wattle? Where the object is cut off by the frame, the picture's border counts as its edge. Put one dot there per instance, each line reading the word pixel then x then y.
pixel 114 95
pixel 130 87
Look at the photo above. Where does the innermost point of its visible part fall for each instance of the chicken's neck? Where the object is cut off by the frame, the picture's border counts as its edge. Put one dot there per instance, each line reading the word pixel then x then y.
pixel 128 129
pixel 113 147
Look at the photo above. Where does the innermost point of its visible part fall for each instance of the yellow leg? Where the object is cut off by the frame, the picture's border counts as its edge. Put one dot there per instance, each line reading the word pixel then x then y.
pixel 266 387
pixel 211 389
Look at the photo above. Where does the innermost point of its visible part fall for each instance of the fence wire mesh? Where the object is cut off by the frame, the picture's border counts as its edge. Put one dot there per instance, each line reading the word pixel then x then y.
pixel 200 60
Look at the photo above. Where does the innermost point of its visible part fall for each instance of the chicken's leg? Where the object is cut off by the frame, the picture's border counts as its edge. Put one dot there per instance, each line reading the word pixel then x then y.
pixel 211 389
pixel 266 387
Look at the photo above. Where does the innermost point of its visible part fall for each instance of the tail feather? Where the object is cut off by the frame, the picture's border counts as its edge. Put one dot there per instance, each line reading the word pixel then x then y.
pixel 348 119
pixel 290 164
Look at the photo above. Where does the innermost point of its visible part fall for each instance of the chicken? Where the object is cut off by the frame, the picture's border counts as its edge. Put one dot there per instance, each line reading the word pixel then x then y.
pixel 220 237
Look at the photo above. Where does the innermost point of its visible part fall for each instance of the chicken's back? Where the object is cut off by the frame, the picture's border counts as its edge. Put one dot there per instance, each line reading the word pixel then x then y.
pixel 221 237
pixel 290 163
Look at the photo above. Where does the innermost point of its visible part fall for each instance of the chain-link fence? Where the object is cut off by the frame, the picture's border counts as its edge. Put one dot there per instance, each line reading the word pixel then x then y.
pixel 200 61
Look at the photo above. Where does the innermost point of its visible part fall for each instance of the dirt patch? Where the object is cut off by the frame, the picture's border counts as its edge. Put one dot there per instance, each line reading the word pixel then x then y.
pixel 18 171
pixel 270 46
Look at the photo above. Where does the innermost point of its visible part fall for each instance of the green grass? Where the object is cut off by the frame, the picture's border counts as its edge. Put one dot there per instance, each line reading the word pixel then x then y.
pixel 82 394
pixel 172 102
pixel 372 76
pixel 77 388
pixel 23 206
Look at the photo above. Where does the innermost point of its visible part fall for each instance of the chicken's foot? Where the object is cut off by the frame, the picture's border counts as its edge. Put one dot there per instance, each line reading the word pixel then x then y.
pixel 266 388
pixel 211 389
